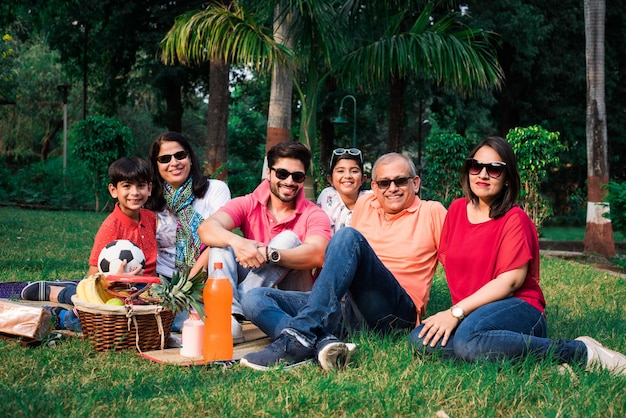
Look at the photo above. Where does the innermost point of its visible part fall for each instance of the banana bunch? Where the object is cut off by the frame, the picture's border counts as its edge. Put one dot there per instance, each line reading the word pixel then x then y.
pixel 91 289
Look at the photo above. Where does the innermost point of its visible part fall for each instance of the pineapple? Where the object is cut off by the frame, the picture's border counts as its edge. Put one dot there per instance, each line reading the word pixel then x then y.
pixel 181 293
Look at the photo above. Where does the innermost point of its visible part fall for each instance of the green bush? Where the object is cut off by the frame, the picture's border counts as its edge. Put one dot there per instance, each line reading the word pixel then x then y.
pixel 98 142
pixel 617 206
pixel 444 157
pixel 44 184
pixel 537 151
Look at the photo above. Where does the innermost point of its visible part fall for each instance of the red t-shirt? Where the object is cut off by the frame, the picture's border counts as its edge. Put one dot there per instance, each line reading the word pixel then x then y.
pixel 474 254
pixel 119 226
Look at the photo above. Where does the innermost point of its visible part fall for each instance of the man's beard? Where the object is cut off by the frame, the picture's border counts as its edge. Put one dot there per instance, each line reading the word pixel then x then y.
pixel 276 192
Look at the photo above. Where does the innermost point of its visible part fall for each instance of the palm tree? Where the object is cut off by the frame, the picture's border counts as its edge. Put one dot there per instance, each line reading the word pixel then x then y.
pixel 598 232
pixel 238 34
pixel 279 115
pixel 404 39
pixel 221 34
pixel 453 55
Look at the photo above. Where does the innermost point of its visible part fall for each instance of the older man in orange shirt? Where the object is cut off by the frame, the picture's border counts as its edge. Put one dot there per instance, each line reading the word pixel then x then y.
pixel 383 266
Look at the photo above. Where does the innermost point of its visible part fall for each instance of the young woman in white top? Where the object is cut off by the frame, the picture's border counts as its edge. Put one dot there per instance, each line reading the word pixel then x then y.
pixel 346 179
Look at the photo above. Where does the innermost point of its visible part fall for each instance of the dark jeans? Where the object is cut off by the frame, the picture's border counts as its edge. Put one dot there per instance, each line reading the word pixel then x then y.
pixel 505 329
pixel 351 268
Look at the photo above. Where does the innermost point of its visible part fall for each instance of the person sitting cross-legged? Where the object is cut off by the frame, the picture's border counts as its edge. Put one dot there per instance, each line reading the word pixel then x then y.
pixel 490 253
pixel 381 267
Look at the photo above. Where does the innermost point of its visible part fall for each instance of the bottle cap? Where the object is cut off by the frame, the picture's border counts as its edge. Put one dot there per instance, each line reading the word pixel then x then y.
pixel 217 265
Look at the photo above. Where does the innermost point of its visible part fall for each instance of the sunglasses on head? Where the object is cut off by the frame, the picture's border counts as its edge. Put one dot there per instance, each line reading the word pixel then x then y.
pixel 494 169
pixel 399 182
pixel 350 151
pixel 283 174
pixel 166 158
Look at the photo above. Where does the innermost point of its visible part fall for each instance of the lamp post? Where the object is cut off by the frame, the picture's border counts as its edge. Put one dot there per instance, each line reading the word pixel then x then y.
pixel 84 28
pixel 340 119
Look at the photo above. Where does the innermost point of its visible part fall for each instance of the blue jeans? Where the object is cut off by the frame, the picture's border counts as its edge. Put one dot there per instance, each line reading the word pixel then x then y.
pixel 351 268
pixel 506 329
pixel 242 280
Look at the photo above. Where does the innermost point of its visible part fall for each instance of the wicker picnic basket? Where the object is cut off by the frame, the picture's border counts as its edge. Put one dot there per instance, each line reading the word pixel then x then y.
pixel 144 327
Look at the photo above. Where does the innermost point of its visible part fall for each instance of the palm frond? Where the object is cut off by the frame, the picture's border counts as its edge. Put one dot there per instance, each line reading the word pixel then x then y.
pixel 445 50
pixel 228 33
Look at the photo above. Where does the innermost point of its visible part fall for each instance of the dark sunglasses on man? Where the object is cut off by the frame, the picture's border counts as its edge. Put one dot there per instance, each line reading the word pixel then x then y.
pixel 494 169
pixel 386 183
pixel 282 174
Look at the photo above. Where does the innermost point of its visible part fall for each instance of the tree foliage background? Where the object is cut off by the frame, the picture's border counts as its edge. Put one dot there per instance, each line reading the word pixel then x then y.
pixel 540 48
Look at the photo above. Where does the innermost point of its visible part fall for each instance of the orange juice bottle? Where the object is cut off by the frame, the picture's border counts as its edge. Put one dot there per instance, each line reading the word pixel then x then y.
pixel 218 335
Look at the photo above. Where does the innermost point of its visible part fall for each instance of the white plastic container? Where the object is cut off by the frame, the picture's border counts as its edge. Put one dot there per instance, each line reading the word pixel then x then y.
pixel 192 336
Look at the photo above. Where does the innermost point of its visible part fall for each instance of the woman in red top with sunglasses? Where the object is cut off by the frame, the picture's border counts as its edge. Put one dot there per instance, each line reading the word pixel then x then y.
pixel 490 251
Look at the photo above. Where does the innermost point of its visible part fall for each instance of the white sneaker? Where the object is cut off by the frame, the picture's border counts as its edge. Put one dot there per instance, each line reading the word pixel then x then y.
pixel 599 355
pixel 237 330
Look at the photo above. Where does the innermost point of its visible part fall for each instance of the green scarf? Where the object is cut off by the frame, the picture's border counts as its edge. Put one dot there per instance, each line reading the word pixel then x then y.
pixel 188 244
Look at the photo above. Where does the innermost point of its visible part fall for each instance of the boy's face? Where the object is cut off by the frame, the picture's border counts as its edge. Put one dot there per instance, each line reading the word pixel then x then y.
pixel 131 196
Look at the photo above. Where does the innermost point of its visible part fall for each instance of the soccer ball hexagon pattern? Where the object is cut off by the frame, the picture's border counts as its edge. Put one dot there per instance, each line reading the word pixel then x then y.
pixel 115 252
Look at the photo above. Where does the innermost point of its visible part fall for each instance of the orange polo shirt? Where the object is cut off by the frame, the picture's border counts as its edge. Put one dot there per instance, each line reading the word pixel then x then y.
pixel 406 243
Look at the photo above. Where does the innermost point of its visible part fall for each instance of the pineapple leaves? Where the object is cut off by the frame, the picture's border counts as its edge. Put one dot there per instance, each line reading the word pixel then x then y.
pixel 181 293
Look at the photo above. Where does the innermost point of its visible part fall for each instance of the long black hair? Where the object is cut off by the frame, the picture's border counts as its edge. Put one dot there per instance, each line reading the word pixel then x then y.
pixel 200 185
pixel 510 192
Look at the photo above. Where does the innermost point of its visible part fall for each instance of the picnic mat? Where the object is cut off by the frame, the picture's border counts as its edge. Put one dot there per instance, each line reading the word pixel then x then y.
pixel 13 290
pixel 255 340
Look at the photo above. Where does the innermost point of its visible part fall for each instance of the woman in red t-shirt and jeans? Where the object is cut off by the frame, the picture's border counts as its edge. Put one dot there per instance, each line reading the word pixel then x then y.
pixel 490 252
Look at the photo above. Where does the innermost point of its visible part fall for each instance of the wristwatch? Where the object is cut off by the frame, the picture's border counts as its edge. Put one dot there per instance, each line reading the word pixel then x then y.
pixel 457 312
pixel 273 256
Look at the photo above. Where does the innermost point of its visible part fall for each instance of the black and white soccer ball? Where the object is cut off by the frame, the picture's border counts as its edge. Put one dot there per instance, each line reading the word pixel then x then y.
pixel 115 252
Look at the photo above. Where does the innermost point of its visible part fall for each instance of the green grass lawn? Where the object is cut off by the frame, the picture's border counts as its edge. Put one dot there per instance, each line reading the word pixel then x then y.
pixel 566 233
pixel 385 379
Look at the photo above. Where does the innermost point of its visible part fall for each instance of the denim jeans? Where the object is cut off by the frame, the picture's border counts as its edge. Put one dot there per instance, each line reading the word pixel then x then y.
pixel 242 280
pixel 506 329
pixel 350 268
pixel 65 295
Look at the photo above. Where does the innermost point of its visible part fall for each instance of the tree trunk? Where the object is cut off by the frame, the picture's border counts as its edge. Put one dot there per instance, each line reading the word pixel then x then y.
pixel 45 143
pixel 217 121
pixel 174 105
pixel 279 113
pixel 396 114
pixel 598 232
pixel 327 129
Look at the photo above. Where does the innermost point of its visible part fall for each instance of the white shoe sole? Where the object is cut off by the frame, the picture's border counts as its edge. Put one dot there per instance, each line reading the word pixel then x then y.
pixel 246 363
pixel 335 356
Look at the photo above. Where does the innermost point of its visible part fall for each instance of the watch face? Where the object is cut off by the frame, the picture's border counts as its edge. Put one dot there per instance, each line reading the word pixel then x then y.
pixel 275 256
pixel 457 312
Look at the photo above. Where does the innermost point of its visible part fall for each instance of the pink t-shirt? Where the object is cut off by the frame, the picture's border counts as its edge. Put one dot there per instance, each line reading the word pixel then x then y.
pixel 119 226
pixel 406 243
pixel 474 254
pixel 250 214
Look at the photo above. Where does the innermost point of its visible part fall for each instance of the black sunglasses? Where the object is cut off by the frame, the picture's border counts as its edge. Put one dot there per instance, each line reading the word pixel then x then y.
pixel 399 182
pixel 494 169
pixel 283 174
pixel 166 158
